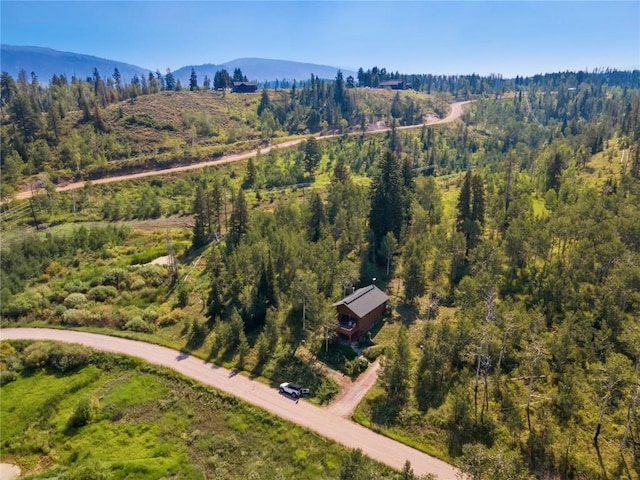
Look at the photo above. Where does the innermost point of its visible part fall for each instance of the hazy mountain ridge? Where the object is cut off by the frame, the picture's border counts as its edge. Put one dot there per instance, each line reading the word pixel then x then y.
pixel 263 70
pixel 46 62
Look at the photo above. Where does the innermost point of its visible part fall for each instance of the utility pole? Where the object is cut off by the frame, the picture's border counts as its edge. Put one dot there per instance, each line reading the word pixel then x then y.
pixel 304 311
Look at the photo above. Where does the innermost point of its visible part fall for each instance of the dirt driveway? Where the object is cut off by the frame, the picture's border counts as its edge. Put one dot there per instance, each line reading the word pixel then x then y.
pixel 321 420
pixel 352 393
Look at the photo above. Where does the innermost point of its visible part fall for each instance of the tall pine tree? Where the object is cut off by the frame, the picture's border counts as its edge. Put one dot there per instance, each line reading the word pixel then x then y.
pixel 471 209
pixel 199 217
pixel 193 81
pixel 387 199
pixel 239 221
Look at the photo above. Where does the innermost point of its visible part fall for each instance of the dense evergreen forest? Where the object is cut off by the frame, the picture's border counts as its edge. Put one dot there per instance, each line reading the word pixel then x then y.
pixel 509 241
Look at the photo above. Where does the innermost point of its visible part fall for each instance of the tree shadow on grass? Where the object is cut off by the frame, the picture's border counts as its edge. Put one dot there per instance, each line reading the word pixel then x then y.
pixel 383 411
pixel 198 332
pixel 408 313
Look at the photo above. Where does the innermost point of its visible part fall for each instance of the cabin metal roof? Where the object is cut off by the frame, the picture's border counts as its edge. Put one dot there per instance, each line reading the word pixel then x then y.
pixel 364 300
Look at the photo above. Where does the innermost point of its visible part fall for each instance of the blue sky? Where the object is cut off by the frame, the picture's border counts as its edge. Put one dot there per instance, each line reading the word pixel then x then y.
pixel 505 37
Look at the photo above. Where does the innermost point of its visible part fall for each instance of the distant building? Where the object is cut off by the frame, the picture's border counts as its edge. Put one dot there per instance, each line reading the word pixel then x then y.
pixel 359 311
pixel 244 87
pixel 394 84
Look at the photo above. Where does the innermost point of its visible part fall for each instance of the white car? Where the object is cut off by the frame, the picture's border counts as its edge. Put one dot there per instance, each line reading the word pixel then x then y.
pixel 293 389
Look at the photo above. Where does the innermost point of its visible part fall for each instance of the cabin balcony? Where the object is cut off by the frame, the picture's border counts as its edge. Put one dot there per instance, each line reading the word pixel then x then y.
pixel 347 328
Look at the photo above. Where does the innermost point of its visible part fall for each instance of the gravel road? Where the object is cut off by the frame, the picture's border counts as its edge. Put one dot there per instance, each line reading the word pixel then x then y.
pixel 454 114
pixel 321 420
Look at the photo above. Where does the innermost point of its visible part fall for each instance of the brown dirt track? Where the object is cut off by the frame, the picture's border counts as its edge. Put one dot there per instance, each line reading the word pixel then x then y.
pixel 454 114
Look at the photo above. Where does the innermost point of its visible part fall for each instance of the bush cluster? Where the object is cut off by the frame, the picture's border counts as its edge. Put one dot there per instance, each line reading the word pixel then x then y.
pixel 355 367
pixel 82 414
pixel 61 356
pixel 137 324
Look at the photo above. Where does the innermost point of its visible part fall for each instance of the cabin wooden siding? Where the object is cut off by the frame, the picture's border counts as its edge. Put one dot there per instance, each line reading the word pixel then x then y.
pixel 361 324
pixel 244 87
pixel 394 84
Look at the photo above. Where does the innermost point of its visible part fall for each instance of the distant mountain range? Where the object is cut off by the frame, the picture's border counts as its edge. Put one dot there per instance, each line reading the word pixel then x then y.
pixel 45 62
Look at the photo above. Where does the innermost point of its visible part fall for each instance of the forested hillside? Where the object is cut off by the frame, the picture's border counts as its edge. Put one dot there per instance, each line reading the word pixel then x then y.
pixel 509 242
pixel 85 129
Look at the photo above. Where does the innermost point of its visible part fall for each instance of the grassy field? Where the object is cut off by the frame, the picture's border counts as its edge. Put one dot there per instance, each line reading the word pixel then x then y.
pixel 149 423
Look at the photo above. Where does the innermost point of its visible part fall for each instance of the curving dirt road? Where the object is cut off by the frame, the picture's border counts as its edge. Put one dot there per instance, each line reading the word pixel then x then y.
pixel 454 114
pixel 321 420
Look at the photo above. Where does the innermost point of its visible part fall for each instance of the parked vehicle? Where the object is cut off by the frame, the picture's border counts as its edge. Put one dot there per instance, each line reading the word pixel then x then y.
pixel 293 389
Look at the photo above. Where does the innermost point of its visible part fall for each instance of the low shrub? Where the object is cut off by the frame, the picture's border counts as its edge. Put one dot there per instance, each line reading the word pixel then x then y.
pixel 82 414
pixel 7 376
pixel 61 356
pixel 137 284
pixel 150 314
pixel 183 295
pixel 93 471
pixel 6 351
pixel 171 318
pixel 19 305
pixel 355 367
pixel 149 294
pixel 64 356
pixel 105 315
pixel 74 300
pixel 37 354
pixel 154 275
pixel 76 286
pixel 102 293
pixel 327 390
pixel 137 324
pixel 374 352
pixel 78 317
pixel 114 276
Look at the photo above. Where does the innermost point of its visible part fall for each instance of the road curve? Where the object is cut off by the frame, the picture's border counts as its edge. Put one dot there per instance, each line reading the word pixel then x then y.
pixel 320 420
pixel 454 114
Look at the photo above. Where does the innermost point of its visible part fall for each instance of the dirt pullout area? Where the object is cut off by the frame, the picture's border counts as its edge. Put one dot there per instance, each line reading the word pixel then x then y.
pixel 9 471
pixel 353 392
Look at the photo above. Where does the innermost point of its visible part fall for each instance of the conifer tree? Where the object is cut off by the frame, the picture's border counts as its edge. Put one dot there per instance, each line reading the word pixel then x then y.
pixel 464 203
pixel 193 81
pixel 341 171
pixel 217 202
pixel 387 199
pixel 221 80
pixel 169 80
pixel 471 209
pixel 215 266
pixel 239 221
pixel 312 154
pixel 199 216
pixel 554 171
pixel 264 102
pixel 414 271
pixel 318 218
pixel 237 75
pixel 117 79
pixel 266 295
pixel 252 173
pixel 396 372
